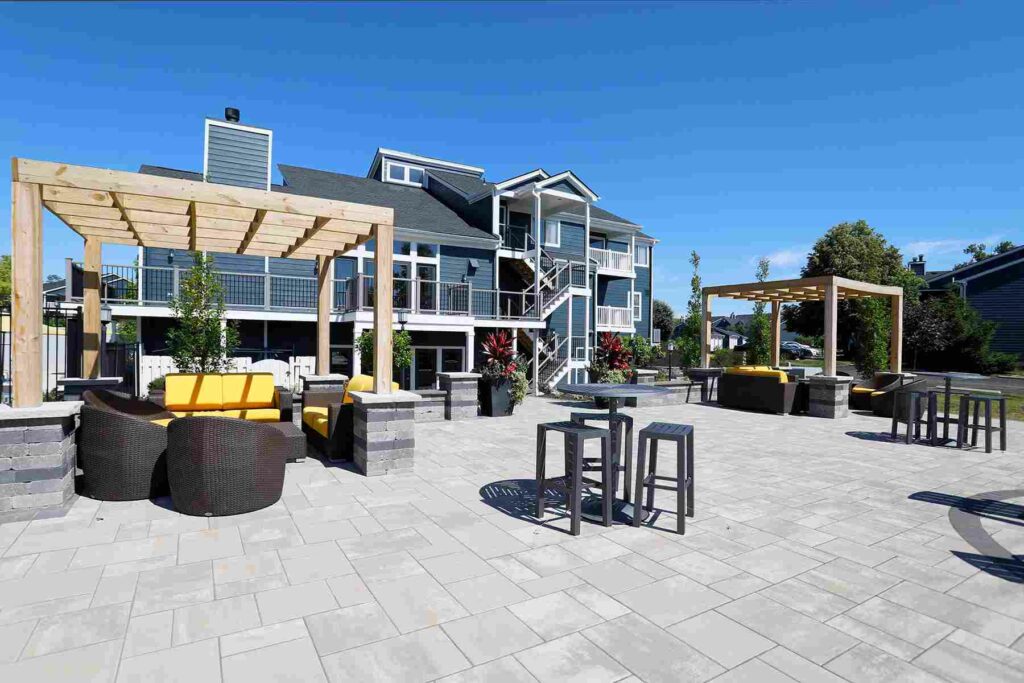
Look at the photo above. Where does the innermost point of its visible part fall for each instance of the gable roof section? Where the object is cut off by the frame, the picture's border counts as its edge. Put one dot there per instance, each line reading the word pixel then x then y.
pixel 600 214
pixel 415 208
pixel 973 270
pixel 468 185
pixel 572 179
pixel 522 179
pixel 418 160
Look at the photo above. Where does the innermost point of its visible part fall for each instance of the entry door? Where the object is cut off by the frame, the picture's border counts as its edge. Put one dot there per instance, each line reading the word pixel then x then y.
pixel 451 360
pixel 426 368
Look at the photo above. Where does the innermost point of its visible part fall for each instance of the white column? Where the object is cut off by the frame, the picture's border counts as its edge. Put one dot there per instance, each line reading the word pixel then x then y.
pixel 356 368
pixel 470 346
pixel 515 340
pixel 586 308
pixel 569 328
pixel 536 236
pixel 632 281
pixel 536 362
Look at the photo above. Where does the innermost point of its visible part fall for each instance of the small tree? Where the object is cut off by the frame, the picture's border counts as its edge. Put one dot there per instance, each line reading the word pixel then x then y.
pixel 759 336
pixel 643 352
pixel 401 350
pixel 688 343
pixel 5 275
pixel 198 341
pixel 664 319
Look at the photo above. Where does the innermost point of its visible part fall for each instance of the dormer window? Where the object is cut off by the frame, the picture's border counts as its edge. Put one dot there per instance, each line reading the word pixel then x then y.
pixel 404 174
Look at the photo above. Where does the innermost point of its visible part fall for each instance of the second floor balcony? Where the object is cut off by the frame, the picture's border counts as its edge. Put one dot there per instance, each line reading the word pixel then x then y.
pixel 612 262
pixel 157 285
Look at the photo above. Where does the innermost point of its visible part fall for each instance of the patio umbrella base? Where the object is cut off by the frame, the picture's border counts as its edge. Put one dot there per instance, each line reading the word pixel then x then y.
pixel 622 512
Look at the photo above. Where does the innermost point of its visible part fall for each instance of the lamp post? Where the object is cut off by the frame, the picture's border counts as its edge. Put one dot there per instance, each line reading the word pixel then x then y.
pixel 671 346
pixel 106 315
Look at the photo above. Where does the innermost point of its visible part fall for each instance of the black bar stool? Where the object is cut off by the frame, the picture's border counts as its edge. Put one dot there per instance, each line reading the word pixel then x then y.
pixel 576 435
pixel 683 436
pixel 617 423
pixel 968 401
pixel 912 412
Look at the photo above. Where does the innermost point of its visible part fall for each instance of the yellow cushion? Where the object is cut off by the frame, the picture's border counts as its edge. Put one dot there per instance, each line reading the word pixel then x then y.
pixel 748 371
pixel 362 383
pixel 248 390
pixel 863 390
pixel 201 413
pixel 164 422
pixel 316 417
pixel 193 392
pixel 255 414
pixel 877 393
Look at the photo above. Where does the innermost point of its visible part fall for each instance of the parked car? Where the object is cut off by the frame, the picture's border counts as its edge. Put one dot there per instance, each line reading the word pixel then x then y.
pixel 796 350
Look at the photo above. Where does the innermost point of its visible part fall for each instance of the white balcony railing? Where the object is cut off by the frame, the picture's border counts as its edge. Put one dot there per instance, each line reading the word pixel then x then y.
pixel 612 260
pixel 613 316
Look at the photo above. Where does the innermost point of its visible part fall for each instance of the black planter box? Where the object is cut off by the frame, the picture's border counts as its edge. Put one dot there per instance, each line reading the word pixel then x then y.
pixel 496 398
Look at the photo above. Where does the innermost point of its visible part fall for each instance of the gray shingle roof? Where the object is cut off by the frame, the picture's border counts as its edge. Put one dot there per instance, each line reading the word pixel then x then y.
pixel 415 208
pixel 469 185
pixel 170 172
pixel 598 212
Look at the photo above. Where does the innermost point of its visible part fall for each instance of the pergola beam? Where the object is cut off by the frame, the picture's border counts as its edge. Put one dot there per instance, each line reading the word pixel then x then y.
pixel 27 294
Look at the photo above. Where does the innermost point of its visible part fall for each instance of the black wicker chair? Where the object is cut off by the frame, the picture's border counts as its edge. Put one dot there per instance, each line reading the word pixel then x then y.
pixel 122 457
pixel 125 404
pixel 861 393
pixel 337 443
pixel 222 466
pixel 885 403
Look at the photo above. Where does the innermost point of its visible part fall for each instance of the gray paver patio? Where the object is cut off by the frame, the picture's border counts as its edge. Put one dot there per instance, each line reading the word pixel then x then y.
pixel 807 561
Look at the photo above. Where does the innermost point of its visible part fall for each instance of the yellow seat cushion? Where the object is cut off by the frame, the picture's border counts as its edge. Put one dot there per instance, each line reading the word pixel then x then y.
pixel 248 390
pixel 316 417
pixel 877 393
pixel 863 390
pixel 164 422
pixel 759 371
pixel 362 383
pixel 254 414
pixel 193 392
pixel 201 413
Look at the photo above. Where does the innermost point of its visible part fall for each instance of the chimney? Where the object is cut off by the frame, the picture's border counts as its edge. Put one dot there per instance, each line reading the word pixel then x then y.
pixel 917 265
pixel 236 154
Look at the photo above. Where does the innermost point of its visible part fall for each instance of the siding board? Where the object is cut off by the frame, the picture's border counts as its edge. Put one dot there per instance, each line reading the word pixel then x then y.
pixel 237 157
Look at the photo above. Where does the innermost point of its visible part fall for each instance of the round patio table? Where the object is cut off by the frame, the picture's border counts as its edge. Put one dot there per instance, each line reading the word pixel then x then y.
pixel 621 510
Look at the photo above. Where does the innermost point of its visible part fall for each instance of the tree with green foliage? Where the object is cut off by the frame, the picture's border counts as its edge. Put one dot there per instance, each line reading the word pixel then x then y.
pixel 198 341
pixel 644 352
pixel 401 350
pixel 945 333
pixel 979 252
pixel 855 251
pixel 664 319
pixel 688 342
pixel 759 335
pixel 5 275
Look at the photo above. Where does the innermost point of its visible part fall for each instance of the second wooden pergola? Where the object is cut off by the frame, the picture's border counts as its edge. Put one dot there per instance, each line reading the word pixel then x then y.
pixel 829 289
pixel 120 207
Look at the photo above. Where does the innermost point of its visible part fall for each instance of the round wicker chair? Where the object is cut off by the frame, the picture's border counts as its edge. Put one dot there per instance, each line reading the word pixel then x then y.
pixel 122 457
pixel 222 466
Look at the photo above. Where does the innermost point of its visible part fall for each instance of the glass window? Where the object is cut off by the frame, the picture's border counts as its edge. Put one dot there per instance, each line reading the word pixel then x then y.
pixel 642 256
pixel 429 250
pixel 403 248
pixel 451 360
pixel 416 175
pixel 552 238
pixel 638 306
pixel 396 172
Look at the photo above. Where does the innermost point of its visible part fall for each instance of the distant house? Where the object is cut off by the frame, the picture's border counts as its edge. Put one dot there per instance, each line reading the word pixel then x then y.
pixel 994 287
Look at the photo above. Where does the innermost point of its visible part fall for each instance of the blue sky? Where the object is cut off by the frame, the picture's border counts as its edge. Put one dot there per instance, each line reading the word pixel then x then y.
pixel 736 129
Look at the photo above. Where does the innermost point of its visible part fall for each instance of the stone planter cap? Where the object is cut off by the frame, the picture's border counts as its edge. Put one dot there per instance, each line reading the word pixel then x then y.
pixel 646 372
pixel 460 375
pixel 829 379
pixel 325 378
pixel 370 398
pixel 75 381
pixel 48 410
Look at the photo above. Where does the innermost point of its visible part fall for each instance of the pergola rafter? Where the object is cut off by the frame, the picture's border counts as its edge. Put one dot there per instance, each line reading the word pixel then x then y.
pixel 120 207
pixel 827 288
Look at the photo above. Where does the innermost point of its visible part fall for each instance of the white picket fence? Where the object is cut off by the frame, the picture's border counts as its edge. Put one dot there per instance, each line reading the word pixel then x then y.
pixel 286 374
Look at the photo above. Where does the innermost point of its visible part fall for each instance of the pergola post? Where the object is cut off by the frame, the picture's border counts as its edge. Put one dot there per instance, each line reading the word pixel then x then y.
pixel 831 317
pixel 383 252
pixel 896 334
pixel 323 314
pixel 91 328
pixel 776 333
pixel 26 286
pixel 705 331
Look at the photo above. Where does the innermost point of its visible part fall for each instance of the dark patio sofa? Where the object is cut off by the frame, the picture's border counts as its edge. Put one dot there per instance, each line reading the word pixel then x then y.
pixel 327 422
pixel 862 394
pixel 755 388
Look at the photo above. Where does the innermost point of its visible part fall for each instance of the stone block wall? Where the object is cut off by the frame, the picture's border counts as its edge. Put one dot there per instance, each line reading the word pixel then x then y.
pixel 37 455
pixel 334 382
pixel 829 397
pixel 463 394
pixel 430 407
pixel 384 432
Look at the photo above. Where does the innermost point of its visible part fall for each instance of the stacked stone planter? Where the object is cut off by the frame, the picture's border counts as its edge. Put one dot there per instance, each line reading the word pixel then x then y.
pixel 384 432
pixel 37 456
pixel 324 382
pixel 647 378
pixel 462 389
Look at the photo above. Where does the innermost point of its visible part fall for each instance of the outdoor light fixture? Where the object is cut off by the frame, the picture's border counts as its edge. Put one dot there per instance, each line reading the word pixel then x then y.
pixel 671 346
pixel 403 318
pixel 105 314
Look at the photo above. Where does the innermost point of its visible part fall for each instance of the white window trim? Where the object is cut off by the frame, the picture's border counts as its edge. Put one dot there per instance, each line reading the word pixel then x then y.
pixel 547 233
pixel 405 175
pixel 646 251
pixel 638 305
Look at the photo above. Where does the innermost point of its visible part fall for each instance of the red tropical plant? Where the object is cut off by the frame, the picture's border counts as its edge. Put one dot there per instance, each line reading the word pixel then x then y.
pixel 502 360
pixel 611 351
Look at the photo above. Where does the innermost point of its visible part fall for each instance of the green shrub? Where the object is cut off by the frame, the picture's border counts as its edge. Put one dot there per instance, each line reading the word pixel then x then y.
pixel 157 383
pixel 727 358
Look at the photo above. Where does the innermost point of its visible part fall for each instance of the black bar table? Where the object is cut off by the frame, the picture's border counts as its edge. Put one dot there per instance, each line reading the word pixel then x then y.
pixel 947 395
pixel 707 378
pixel 613 393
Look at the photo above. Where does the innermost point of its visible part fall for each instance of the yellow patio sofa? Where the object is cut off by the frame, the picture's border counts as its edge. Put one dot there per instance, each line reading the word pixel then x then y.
pixel 247 396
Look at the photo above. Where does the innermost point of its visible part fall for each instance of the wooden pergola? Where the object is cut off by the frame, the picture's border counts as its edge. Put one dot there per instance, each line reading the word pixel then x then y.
pixel 119 207
pixel 827 288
